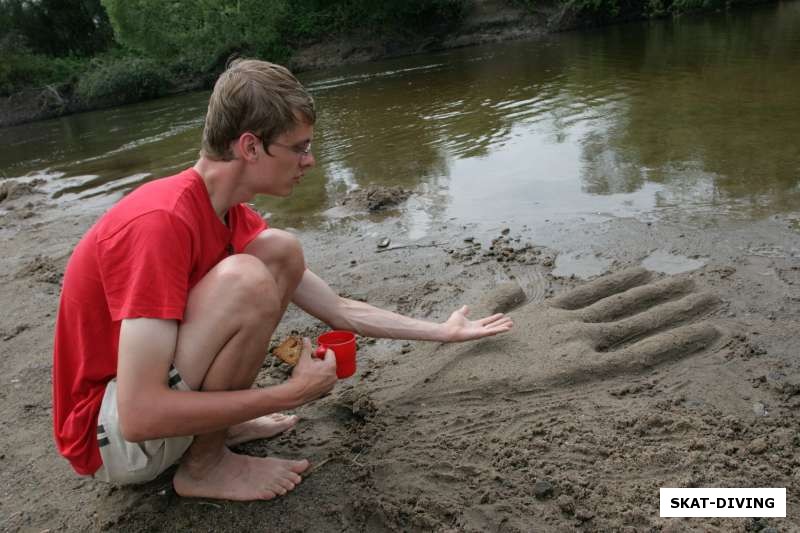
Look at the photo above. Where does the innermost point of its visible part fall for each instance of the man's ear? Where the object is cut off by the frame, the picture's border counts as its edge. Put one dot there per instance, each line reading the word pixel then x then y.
pixel 246 146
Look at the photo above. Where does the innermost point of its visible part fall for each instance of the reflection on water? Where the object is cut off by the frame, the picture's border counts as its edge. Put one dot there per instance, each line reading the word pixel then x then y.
pixel 109 150
pixel 697 115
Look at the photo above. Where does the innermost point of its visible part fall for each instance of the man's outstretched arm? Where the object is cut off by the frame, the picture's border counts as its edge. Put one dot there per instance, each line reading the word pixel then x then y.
pixel 316 298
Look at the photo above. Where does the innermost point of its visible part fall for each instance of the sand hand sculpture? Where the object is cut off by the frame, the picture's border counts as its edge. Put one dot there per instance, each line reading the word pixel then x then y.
pixel 485 422
pixel 625 323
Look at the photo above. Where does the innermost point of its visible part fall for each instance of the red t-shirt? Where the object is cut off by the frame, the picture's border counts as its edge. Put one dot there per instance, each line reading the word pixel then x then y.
pixel 139 260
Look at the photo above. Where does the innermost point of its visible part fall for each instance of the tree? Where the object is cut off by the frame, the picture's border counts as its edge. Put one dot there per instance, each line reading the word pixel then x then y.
pixel 57 27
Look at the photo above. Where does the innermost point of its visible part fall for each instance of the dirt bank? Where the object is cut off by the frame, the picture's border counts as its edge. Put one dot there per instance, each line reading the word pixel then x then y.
pixel 486 21
pixel 571 422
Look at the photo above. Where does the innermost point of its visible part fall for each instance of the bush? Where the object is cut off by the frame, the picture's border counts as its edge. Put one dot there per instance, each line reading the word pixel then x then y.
pixel 205 31
pixel 21 69
pixel 679 6
pixel 317 18
pixel 196 32
pixel 123 79
pixel 606 11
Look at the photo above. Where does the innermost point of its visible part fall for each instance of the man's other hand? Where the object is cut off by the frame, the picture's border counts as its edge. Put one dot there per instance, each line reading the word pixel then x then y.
pixel 460 328
pixel 313 377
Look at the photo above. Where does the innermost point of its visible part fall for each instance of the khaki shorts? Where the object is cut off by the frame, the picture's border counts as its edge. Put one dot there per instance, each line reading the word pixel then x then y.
pixel 134 462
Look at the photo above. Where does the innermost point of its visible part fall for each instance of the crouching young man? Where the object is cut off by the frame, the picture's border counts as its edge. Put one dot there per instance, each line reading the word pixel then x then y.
pixel 170 299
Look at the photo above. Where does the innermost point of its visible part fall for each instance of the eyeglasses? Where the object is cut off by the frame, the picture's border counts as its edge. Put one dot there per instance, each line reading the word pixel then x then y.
pixel 301 152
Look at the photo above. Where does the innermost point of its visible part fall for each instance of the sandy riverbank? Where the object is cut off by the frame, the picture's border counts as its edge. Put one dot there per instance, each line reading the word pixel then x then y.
pixel 567 423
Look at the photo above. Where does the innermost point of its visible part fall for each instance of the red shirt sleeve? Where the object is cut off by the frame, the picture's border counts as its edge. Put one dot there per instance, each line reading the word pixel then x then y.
pixel 247 227
pixel 145 267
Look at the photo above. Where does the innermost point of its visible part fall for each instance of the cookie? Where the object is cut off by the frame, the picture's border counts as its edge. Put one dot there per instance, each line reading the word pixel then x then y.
pixel 289 350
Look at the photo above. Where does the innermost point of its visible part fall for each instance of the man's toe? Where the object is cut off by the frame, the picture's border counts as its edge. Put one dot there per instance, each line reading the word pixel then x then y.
pixel 298 466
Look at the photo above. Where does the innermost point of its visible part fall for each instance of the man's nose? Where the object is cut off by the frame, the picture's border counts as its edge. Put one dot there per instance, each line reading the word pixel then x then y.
pixel 308 161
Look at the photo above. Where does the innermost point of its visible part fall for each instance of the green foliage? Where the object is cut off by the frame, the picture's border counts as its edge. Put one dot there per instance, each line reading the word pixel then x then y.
pixel 203 32
pixel 21 69
pixel 196 32
pixel 680 6
pixel 315 18
pixel 123 79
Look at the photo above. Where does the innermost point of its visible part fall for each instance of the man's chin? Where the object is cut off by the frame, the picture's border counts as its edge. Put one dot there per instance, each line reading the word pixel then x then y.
pixel 280 193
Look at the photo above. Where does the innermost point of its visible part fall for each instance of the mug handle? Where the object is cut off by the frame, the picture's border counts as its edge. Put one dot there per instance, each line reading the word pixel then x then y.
pixel 319 353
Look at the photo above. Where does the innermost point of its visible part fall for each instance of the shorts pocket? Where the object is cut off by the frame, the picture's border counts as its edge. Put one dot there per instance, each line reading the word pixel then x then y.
pixel 125 462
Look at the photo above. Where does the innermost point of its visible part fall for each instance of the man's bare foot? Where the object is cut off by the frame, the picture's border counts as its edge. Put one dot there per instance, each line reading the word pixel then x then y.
pixel 238 477
pixel 262 427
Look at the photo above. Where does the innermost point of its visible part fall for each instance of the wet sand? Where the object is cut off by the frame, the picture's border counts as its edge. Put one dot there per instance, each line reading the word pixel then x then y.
pixel 607 389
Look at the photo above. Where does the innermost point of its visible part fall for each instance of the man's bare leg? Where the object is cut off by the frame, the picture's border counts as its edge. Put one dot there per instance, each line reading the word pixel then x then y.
pixel 229 319
pixel 264 248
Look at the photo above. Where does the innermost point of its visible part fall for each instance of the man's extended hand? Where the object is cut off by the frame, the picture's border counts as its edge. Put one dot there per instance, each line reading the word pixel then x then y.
pixel 313 377
pixel 460 328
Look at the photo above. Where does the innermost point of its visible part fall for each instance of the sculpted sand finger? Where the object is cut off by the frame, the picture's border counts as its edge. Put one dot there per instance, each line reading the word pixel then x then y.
pixel 606 336
pixel 636 300
pixel 598 289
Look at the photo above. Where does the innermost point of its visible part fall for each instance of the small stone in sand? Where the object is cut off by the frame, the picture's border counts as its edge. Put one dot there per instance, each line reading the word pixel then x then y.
pixel 542 490
pixel 566 504
pixel 757 446
pixel 10 190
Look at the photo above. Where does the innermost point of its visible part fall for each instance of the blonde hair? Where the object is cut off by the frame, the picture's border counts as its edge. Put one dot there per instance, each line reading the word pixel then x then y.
pixel 256 96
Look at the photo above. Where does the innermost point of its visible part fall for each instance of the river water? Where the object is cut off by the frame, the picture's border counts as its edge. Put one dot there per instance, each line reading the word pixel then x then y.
pixel 694 117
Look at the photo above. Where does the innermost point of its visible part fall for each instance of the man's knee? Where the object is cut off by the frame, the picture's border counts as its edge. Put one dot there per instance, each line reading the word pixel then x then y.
pixel 280 251
pixel 251 286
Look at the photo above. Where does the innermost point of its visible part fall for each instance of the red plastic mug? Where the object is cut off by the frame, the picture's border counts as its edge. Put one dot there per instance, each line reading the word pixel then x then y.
pixel 343 344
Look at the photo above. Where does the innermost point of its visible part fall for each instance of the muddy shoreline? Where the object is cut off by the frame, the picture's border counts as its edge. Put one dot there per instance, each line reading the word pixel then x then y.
pixel 493 436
